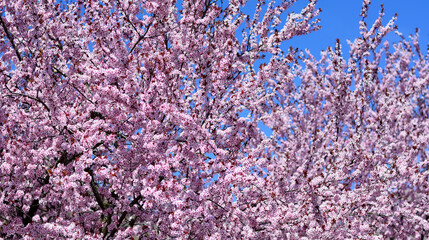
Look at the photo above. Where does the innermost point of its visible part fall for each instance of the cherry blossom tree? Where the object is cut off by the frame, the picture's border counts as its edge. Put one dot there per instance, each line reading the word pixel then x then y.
pixel 139 119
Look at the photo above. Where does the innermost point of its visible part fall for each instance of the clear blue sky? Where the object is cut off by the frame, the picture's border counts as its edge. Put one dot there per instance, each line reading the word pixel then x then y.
pixel 340 19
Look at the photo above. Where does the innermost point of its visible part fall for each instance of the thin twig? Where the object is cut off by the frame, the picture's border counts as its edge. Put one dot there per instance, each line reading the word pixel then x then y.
pixel 141 37
pixel 30 97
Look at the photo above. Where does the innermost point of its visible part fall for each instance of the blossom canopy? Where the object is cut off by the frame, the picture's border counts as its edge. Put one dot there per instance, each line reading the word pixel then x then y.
pixel 139 119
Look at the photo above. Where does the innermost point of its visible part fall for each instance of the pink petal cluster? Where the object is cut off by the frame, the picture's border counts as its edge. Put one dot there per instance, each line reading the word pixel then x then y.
pixel 139 120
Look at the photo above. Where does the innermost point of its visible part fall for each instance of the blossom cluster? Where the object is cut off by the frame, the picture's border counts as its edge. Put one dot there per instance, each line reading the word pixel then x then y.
pixel 139 119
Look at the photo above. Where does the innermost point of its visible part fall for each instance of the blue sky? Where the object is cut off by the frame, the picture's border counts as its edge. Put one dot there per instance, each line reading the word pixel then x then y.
pixel 340 19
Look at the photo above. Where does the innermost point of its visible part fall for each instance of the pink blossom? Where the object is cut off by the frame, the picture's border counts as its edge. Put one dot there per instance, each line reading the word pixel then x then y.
pixel 122 119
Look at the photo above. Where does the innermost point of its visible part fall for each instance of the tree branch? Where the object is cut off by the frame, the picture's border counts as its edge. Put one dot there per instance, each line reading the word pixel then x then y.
pixel 94 188
pixel 123 215
pixel 141 37
pixel 10 37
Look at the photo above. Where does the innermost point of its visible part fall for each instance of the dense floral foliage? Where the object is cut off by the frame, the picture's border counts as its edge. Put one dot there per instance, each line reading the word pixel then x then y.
pixel 127 118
